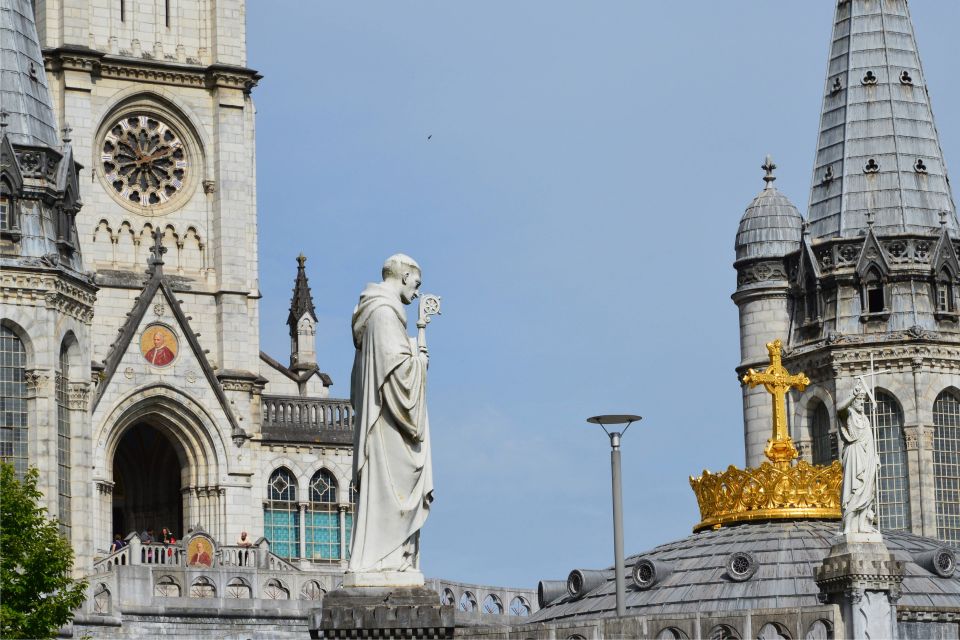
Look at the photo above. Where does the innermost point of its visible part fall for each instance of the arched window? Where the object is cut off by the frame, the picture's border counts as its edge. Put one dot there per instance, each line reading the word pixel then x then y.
pixel 238 589
pixel 492 605
pixel 468 602
pixel 63 442
pixel 819 426
pixel 275 590
pixel 323 519
pixel 519 607
pixel 311 590
pixel 281 517
pixel 203 587
pixel 13 401
pixel 946 465
pixel 893 495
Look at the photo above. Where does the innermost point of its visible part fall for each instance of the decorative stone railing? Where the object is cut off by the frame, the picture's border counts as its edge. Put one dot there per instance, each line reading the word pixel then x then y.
pixel 317 420
pixel 234 556
pixel 174 555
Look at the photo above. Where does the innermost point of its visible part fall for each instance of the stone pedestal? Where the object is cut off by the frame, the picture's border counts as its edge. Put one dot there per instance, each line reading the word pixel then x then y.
pixel 382 612
pixel 863 578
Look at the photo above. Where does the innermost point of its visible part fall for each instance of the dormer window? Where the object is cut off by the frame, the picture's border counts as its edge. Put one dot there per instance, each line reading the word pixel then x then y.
pixel 873 296
pixel 9 222
pixel 944 295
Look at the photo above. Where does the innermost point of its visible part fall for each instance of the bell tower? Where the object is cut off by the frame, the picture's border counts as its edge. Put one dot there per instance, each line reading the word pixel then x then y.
pixel 158 98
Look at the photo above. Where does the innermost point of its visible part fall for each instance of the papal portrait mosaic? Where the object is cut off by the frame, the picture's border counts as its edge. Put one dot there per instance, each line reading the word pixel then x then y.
pixel 159 345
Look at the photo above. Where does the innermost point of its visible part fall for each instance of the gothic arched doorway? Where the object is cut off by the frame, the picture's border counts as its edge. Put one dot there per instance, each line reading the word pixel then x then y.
pixel 147 473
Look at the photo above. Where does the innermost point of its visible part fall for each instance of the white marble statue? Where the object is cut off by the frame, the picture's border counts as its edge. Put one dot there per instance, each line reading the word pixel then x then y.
pixel 391 431
pixel 860 464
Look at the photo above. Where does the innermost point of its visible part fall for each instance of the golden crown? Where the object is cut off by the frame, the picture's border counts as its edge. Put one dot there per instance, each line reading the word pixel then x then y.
pixel 777 489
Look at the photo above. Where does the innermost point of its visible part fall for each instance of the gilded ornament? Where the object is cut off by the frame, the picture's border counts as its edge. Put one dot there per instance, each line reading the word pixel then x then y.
pixel 776 490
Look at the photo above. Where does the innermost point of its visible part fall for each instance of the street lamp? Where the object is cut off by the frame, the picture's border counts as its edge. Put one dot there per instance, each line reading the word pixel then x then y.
pixel 615 436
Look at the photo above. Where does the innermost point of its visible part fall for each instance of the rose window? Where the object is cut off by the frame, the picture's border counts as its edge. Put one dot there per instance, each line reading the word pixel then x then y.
pixel 144 160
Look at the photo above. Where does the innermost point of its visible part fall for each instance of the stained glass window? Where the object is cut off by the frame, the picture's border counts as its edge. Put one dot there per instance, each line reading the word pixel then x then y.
pixel 893 496
pixel 323 518
pixel 820 434
pixel 281 517
pixel 13 401
pixel 63 443
pixel 946 465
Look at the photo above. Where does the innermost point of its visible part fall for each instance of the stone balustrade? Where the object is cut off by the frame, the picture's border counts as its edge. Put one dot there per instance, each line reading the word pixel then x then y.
pixel 174 555
pixel 315 420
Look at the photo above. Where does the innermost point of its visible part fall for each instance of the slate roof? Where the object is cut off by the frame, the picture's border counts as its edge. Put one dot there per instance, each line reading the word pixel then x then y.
pixel 24 93
pixel 786 553
pixel 771 227
pixel 876 125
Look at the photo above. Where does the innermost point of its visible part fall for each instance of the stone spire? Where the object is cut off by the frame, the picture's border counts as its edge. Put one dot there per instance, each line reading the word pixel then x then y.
pixel 878 149
pixel 23 82
pixel 302 321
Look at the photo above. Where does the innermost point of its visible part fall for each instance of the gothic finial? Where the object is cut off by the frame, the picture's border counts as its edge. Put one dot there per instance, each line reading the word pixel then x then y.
pixel 301 260
pixel 157 250
pixel 67 129
pixel 769 167
pixel 943 218
pixel 4 114
pixel 870 218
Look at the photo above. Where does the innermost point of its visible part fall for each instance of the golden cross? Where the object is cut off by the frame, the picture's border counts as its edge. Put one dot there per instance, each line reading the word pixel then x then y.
pixel 778 381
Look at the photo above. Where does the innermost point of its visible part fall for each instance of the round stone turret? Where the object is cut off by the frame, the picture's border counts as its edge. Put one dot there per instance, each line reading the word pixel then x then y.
pixel 770 229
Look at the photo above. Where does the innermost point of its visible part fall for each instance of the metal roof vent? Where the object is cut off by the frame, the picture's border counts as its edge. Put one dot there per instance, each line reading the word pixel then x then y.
pixel 741 566
pixel 583 581
pixel 549 591
pixel 941 562
pixel 648 572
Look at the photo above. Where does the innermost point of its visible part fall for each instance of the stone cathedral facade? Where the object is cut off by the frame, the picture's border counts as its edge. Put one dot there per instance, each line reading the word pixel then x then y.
pixel 866 283
pixel 131 373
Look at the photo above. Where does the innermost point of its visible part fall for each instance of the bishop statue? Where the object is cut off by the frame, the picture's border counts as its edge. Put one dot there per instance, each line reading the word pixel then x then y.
pixel 391 460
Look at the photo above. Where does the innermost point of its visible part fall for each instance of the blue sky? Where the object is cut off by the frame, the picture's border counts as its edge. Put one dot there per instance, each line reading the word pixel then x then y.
pixel 570 175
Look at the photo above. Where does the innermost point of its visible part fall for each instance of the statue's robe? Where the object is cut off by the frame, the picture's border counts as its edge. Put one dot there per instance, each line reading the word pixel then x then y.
pixel 860 463
pixel 391 459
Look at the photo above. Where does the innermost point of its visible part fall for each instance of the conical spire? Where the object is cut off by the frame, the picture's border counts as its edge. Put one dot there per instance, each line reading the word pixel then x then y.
pixel 878 149
pixel 302 300
pixel 24 95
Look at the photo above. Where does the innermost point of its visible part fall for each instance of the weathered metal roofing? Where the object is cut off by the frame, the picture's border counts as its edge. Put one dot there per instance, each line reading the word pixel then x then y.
pixel 785 553
pixel 24 94
pixel 878 148
pixel 771 227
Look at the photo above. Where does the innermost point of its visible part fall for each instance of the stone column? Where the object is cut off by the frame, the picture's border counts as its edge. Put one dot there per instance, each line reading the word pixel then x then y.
pixel 303 530
pixel 343 531
pixel 103 523
pixel 863 578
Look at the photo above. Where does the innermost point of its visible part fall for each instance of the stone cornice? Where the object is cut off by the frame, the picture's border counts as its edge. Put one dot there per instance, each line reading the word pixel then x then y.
pixel 103 65
pixel 54 289
pixel 889 351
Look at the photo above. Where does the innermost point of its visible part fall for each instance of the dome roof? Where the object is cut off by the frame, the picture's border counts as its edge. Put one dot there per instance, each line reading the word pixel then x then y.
pixel 770 228
pixel 692 575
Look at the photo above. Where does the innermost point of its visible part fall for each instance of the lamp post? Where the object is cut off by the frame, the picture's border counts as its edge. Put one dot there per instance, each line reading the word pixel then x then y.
pixel 615 437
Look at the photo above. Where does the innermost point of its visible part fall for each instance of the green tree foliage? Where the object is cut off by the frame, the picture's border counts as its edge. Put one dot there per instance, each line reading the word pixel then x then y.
pixel 37 595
